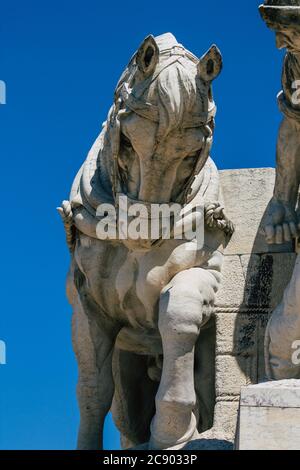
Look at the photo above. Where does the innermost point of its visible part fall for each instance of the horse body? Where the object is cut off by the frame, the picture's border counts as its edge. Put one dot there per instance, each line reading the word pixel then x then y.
pixel 149 298
pixel 113 272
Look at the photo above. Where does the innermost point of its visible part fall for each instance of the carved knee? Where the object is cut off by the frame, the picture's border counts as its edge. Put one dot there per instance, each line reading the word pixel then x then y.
pixel 180 312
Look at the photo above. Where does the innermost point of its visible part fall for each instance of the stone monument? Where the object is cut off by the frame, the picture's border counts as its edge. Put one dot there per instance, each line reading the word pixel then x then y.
pixel 143 305
pixel 283 223
pixel 269 417
pixel 161 339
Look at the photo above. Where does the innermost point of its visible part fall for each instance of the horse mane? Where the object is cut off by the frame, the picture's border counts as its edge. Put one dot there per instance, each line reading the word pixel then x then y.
pixel 176 93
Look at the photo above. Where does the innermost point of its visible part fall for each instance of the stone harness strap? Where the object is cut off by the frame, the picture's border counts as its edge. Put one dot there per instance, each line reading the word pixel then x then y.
pixel 151 112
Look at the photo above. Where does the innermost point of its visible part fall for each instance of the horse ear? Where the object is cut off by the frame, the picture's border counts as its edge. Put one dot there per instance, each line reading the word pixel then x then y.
pixel 210 64
pixel 147 55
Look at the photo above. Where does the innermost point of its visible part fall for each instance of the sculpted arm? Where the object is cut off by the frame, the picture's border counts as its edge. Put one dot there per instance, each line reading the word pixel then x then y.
pixel 281 224
pixel 288 163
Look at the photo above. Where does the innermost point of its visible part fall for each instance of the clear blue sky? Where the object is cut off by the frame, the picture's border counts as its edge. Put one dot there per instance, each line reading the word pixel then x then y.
pixel 61 61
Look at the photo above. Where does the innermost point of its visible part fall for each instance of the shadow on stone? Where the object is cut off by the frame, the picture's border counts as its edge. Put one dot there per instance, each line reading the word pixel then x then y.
pixel 199 444
pixel 209 444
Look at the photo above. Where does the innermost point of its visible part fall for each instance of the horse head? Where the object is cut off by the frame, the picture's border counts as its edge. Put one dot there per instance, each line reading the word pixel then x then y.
pixel 162 121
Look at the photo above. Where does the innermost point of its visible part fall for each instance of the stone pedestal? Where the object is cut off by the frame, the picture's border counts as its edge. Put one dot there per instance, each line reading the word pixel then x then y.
pixel 255 275
pixel 269 416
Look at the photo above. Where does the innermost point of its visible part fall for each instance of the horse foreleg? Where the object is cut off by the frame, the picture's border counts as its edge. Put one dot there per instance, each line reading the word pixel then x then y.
pixel 185 305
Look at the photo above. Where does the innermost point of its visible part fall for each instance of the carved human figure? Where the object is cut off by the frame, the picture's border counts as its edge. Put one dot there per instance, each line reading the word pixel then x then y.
pixel 148 302
pixel 283 331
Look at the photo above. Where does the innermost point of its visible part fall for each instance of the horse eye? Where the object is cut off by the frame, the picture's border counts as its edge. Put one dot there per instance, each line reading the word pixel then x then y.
pixel 192 156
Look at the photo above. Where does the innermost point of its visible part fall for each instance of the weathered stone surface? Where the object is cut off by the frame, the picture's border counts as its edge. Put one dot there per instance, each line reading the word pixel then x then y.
pixel 283 266
pixel 237 333
pixel 225 422
pixel 231 292
pixel 280 394
pixel 282 216
pixel 269 428
pixel 222 434
pixel 260 358
pixel 255 280
pixel 152 288
pixel 252 285
pixel 229 376
pixel 270 416
pixel 247 193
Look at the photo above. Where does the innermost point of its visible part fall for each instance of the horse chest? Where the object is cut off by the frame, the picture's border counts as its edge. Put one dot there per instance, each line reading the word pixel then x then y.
pixel 138 284
pixel 125 284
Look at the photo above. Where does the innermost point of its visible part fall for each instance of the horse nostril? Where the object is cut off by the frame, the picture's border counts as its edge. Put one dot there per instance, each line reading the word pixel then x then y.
pixel 149 55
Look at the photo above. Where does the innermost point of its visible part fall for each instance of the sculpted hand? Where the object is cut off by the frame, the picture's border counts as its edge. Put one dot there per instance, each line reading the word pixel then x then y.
pixel 66 212
pixel 281 223
pixel 67 216
pixel 216 218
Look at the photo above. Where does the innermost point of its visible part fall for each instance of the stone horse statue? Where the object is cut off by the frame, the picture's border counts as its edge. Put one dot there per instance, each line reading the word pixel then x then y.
pixel 142 324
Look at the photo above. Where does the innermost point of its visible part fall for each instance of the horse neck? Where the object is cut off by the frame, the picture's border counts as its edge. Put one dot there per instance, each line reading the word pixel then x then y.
pixel 105 164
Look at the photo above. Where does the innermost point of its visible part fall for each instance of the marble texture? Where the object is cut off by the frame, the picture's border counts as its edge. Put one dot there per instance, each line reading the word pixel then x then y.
pixel 269 417
pixel 281 394
pixel 282 223
pixel 254 277
pixel 252 285
pixel 143 308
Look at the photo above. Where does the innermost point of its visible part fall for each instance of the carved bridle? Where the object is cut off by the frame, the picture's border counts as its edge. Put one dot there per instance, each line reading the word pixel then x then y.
pixel 127 101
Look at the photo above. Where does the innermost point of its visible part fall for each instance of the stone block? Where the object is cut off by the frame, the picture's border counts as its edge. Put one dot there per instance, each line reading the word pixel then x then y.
pixel 225 421
pixel 255 281
pixel 269 417
pixel 246 195
pixel 230 376
pixel 236 333
pixel 232 289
